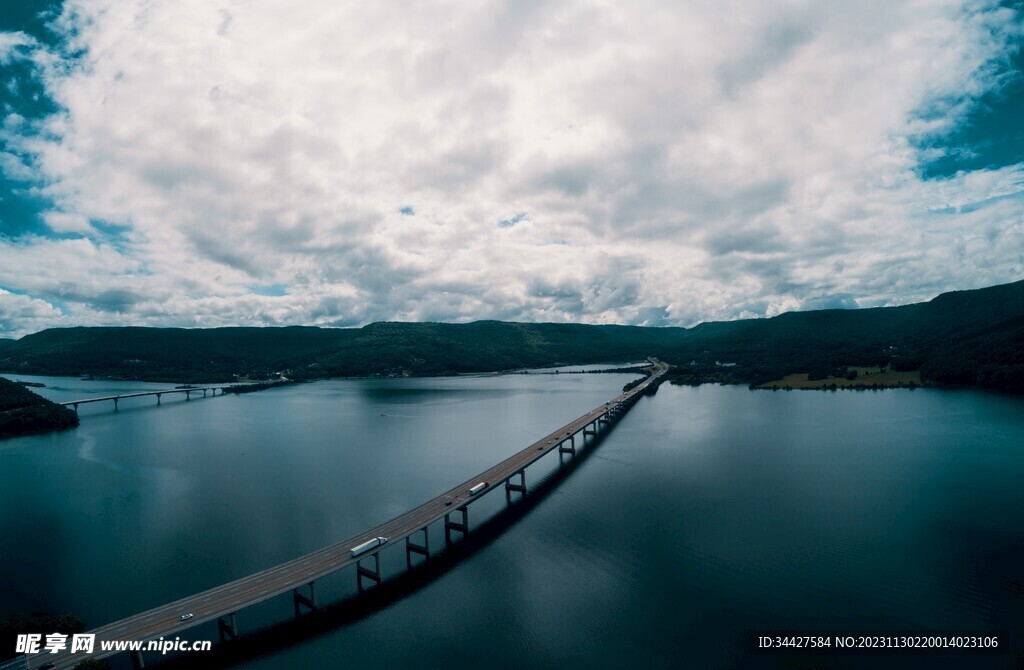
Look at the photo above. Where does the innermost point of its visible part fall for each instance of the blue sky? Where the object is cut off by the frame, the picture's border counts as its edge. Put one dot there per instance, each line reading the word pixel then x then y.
pixel 23 94
pixel 215 162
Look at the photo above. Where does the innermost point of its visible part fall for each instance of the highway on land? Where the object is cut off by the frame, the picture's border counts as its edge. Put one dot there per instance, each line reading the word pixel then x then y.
pixel 164 621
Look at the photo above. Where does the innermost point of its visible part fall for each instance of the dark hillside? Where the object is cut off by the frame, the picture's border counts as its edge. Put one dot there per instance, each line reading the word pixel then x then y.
pixel 22 411
pixel 932 336
pixel 218 354
pixel 170 354
pixel 966 337
pixel 991 357
pixel 442 348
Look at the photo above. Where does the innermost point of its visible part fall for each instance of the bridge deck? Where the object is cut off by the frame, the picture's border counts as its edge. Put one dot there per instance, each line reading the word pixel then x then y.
pixel 141 394
pixel 233 596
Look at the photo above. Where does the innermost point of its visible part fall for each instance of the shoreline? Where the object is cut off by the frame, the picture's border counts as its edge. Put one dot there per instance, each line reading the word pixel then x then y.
pixel 858 378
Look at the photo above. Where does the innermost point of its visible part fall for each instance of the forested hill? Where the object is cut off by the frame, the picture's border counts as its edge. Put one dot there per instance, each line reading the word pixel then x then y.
pixel 971 337
pixel 965 337
pixel 218 354
pixel 22 411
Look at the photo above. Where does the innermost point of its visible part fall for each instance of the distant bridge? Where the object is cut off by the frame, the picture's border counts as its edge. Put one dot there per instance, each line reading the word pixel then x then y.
pixel 299 575
pixel 187 391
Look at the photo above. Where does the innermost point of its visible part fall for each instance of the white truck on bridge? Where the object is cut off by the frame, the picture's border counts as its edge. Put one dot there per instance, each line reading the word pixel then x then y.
pixel 368 545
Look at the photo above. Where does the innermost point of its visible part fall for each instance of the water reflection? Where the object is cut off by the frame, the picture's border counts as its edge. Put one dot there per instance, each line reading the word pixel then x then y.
pixel 710 512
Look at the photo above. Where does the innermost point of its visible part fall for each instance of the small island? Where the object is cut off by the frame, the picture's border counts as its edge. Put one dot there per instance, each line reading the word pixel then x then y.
pixel 23 412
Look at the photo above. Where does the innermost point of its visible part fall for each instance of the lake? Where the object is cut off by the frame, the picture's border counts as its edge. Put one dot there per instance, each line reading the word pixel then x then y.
pixel 708 514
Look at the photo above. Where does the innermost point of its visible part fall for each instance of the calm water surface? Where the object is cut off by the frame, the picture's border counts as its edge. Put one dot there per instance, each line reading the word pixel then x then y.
pixel 708 513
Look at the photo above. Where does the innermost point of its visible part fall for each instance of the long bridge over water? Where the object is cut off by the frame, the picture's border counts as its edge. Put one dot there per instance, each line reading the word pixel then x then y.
pixel 299 576
pixel 188 391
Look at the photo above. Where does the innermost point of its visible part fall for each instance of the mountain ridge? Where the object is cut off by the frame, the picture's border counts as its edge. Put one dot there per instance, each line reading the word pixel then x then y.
pixel 964 337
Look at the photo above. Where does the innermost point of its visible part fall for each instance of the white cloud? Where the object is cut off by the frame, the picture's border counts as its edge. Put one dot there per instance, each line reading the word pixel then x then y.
pixel 12 44
pixel 713 159
pixel 21 314
pixel 66 222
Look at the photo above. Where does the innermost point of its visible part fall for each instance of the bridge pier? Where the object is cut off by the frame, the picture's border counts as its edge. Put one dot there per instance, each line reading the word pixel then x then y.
pixel 362 571
pixel 301 600
pixel 137 661
pixel 115 404
pixel 587 430
pixel 75 405
pixel 461 526
pixel 227 628
pixel 413 548
pixel 158 398
pixel 188 395
pixel 520 487
pixel 571 449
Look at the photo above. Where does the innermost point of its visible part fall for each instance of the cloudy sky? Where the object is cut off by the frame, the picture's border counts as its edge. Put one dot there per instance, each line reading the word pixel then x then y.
pixel 257 162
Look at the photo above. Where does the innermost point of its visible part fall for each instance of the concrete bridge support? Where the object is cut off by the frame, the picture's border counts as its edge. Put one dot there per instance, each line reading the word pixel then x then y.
pixel 413 548
pixel 115 404
pixel 188 395
pixel 590 429
pixel 520 487
pixel 302 600
pixel 158 398
pixel 571 449
pixel 363 571
pixel 228 627
pixel 137 661
pixel 461 526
